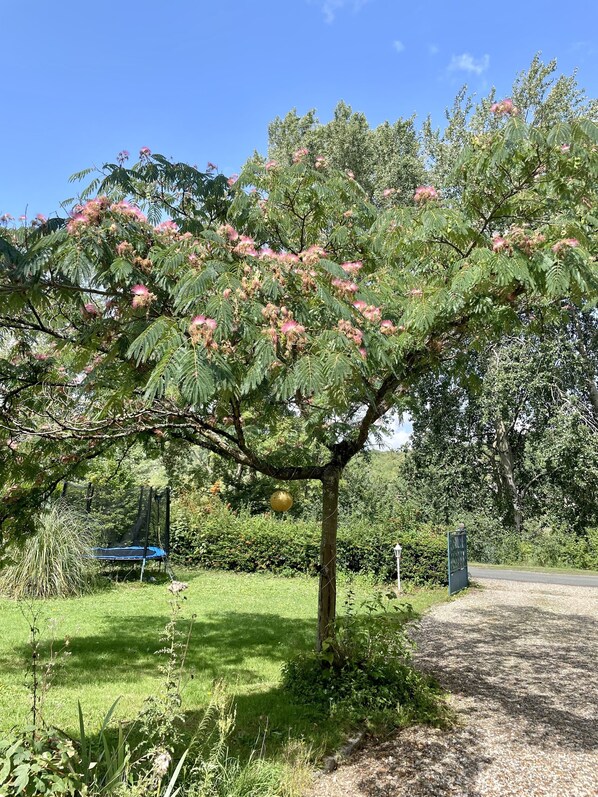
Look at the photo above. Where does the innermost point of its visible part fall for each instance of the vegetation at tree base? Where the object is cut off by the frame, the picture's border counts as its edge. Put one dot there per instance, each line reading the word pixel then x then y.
pixel 364 674
pixel 277 319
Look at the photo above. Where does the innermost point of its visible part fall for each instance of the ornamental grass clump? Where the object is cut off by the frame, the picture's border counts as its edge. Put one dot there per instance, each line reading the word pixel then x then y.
pixel 55 561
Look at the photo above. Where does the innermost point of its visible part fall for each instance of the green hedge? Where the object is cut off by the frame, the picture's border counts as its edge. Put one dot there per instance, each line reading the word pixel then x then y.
pixel 214 537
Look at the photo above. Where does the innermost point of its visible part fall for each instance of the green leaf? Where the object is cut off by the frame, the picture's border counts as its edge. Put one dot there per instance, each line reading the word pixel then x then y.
pixel 144 345
pixel 308 375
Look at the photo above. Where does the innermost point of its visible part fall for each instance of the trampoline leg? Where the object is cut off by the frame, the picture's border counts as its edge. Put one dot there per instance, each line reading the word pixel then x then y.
pixel 142 569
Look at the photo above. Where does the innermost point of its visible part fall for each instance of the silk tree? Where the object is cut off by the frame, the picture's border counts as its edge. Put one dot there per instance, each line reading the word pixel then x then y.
pixel 304 318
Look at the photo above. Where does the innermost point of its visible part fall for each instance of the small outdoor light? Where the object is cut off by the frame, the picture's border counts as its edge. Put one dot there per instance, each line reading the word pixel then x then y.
pixel 397 549
pixel 281 500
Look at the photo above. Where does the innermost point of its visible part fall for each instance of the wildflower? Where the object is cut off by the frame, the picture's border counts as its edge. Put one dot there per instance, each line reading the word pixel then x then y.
pixel 6 217
pixel 144 153
pixel 363 352
pixel 350 174
pixel 499 243
pixel 201 329
pixel 90 310
pixel 232 179
pixel 226 293
pixel 425 193
pixel 416 292
pixel 320 162
pixel 387 327
pixel 312 255
pixel 246 246
pixel 177 586
pixel 504 108
pixel 345 286
pixel 122 156
pixel 352 267
pixel 300 154
pixel 170 227
pixel 211 167
pixel 123 248
pixel 389 192
pixel 359 305
pixel 565 243
pixel 291 328
pixel 271 165
pixel 372 313
pixel 565 147
pixel 141 297
pixel 348 330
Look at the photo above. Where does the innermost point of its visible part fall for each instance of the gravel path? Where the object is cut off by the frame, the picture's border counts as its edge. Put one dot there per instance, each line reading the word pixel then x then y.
pixel 521 662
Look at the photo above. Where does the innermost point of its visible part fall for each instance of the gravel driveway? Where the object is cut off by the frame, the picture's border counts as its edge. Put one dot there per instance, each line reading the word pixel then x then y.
pixel 521 662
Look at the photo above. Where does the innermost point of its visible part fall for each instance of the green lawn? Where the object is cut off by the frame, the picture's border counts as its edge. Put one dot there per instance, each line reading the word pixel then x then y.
pixel 246 626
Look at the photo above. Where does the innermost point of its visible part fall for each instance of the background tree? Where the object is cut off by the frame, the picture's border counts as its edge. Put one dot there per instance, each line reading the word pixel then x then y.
pixel 514 437
pixel 489 425
pixel 384 160
pixel 307 327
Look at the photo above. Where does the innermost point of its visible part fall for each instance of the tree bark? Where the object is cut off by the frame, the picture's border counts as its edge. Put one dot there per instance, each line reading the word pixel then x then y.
pixel 327 590
pixel 507 468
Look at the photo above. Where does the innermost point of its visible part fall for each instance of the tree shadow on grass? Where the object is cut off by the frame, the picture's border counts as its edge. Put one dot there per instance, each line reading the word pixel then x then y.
pixel 535 667
pixel 220 645
pixel 268 719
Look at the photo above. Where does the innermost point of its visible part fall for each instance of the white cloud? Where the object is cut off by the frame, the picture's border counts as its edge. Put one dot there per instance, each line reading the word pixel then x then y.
pixel 433 49
pixel 467 63
pixel 398 433
pixel 330 7
pixel 398 45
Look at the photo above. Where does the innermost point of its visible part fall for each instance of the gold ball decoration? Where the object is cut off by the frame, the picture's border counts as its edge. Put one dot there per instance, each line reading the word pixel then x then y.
pixel 281 500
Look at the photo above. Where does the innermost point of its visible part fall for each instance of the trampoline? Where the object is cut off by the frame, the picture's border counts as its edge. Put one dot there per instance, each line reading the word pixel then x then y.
pixel 133 525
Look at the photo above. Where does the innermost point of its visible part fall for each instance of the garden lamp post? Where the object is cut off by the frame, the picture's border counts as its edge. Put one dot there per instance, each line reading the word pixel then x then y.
pixel 397 549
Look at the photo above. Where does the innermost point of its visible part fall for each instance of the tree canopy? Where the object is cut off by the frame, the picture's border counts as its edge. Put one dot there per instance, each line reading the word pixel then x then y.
pixel 283 305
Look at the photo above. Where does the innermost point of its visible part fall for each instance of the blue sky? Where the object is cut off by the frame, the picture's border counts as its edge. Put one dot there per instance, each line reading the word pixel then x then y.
pixel 200 80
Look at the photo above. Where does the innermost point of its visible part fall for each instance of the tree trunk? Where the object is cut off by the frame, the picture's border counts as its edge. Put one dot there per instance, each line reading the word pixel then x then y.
pixel 507 469
pixel 327 591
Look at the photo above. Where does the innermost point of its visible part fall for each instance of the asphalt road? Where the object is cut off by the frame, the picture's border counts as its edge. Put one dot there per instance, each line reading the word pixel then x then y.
pixel 535 578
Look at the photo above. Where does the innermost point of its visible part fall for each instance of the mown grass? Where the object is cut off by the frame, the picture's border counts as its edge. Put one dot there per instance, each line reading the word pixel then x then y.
pixel 246 626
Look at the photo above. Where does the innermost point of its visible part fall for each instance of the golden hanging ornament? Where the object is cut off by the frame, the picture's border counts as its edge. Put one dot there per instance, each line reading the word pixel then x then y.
pixel 281 500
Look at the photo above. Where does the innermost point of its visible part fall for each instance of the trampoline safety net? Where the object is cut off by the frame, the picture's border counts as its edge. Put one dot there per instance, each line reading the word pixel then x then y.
pixel 129 523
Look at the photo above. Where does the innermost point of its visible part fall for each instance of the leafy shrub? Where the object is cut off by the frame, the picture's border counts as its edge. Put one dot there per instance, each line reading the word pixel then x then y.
pixel 365 673
pixel 212 536
pixel 40 762
pixel 54 561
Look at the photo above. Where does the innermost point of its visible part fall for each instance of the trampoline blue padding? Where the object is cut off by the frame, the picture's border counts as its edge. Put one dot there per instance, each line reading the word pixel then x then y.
pixel 134 553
